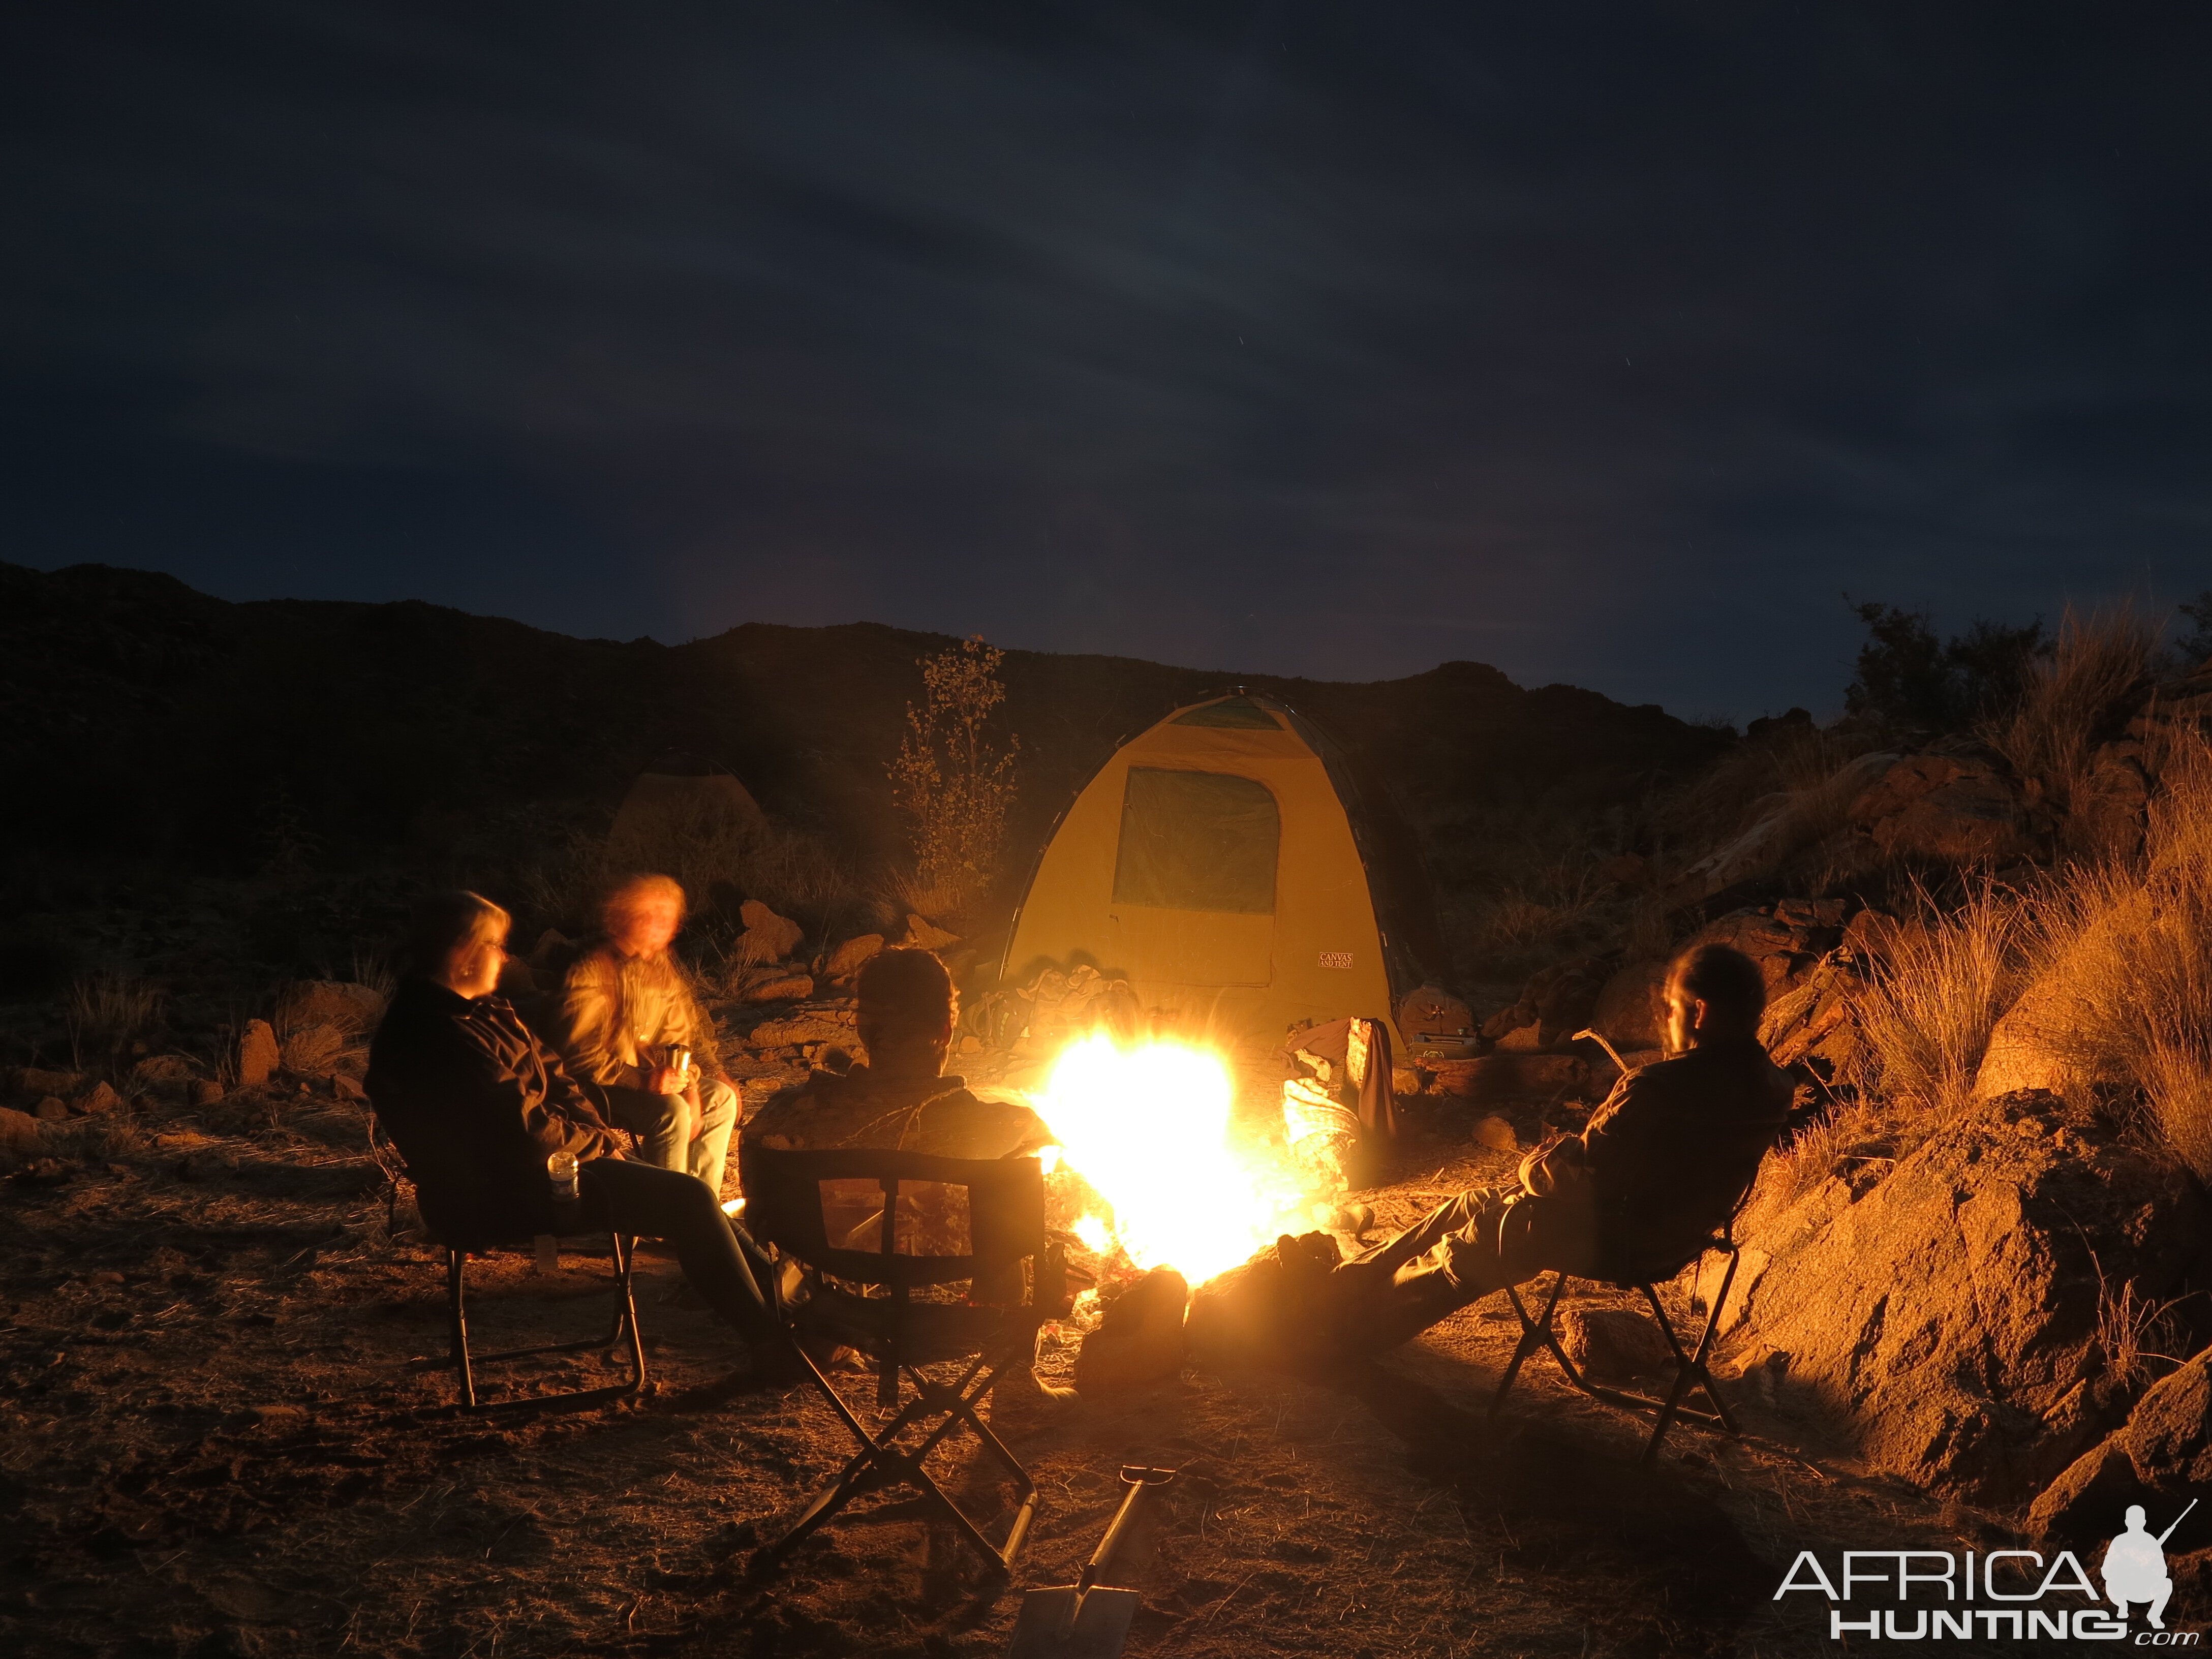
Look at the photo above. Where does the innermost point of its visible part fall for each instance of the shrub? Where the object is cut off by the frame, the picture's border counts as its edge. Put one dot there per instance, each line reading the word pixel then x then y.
pixel 954 782
pixel 1907 677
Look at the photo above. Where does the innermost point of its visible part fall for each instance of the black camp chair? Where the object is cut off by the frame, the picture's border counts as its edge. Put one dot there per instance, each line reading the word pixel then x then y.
pixel 1691 1372
pixel 459 1244
pixel 871 1219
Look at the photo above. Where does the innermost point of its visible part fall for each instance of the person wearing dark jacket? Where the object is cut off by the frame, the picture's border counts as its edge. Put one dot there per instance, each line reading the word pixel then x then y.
pixel 1661 1166
pixel 476 1106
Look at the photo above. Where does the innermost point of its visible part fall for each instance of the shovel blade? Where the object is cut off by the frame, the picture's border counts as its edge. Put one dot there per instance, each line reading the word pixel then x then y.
pixel 1041 1630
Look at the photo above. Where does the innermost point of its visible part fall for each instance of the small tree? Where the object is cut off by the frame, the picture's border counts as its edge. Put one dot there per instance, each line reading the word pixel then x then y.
pixel 1907 677
pixel 953 781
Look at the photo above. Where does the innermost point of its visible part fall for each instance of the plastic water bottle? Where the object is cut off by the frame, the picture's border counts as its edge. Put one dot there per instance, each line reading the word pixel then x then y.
pixel 561 1169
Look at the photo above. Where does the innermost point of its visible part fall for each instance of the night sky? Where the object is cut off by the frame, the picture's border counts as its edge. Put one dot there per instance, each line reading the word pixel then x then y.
pixel 1609 344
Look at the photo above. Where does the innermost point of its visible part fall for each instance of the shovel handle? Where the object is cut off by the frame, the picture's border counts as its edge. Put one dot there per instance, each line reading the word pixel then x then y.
pixel 1138 1479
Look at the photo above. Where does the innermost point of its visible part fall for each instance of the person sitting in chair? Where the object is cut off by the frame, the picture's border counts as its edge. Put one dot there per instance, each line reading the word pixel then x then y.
pixel 1659 1168
pixel 626 1016
pixel 902 1099
pixel 477 1105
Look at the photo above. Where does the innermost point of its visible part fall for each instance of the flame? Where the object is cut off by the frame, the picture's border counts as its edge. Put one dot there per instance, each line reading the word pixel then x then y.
pixel 1148 1128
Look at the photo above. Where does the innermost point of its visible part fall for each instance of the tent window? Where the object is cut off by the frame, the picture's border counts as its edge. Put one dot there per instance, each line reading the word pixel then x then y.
pixel 1197 840
pixel 1239 712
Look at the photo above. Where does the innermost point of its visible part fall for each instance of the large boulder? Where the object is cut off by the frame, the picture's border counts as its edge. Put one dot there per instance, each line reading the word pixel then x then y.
pixel 258 1053
pixel 1557 1002
pixel 1631 1009
pixel 767 936
pixel 19 1132
pixel 1784 823
pixel 2044 1040
pixel 1504 1080
pixel 1946 1318
pixel 2160 1457
pixel 1951 809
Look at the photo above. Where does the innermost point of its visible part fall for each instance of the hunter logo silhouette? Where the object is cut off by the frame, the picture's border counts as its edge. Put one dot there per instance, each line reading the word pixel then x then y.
pixel 2135 1566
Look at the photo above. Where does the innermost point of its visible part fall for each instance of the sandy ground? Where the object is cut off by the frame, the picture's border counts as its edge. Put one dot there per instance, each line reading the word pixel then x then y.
pixel 227 1429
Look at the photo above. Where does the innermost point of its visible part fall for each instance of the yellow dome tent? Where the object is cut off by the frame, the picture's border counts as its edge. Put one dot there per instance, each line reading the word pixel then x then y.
pixel 1212 862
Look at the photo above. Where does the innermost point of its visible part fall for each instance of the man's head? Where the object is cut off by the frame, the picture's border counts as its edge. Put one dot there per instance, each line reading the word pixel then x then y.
pixel 641 916
pixel 2137 1517
pixel 459 940
pixel 1713 995
pixel 906 1013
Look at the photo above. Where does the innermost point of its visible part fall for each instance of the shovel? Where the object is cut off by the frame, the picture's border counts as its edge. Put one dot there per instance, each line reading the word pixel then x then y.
pixel 1084 1620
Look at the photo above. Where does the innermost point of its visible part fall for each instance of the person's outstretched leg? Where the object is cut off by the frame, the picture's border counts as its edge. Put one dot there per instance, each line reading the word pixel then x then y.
pixel 1397 1290
pixel 710 1142
pixel 636 1198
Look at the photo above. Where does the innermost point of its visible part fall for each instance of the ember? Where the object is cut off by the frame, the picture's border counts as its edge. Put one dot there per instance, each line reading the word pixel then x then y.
pixel 1148 1128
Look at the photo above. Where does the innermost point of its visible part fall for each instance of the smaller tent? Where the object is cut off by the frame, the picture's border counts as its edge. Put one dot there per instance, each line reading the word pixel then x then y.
pixel 678 799
pixel 1213 863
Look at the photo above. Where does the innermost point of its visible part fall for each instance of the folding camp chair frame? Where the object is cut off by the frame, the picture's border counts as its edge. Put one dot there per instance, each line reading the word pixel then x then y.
pixel 1691 1367
pixel 457 1313
pixel 625 1324
pixel 937 1407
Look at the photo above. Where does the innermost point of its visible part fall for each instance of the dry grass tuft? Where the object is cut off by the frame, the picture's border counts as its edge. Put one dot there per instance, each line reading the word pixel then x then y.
pixel 2100 667
pixel 105 1013
pixel 1928 1009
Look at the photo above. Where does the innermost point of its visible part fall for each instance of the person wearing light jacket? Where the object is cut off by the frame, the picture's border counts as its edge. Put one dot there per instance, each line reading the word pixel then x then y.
pixel 477 1105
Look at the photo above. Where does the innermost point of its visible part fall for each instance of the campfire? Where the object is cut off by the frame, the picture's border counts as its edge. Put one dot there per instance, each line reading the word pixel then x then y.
pixel 1148 1129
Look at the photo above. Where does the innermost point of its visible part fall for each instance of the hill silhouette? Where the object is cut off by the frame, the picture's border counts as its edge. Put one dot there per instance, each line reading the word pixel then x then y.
pixel 151 722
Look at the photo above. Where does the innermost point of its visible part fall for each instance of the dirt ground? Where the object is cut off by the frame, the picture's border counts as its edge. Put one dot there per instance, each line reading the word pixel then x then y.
pixel 227 1429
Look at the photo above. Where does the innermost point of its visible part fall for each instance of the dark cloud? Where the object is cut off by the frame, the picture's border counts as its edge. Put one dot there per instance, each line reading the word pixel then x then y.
pixel 1606 343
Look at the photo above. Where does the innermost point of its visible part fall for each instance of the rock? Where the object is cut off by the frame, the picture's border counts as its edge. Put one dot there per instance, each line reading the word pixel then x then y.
pixel 346 1088
pixel 349 1007
pixel 1815 1020
pixel 1496 1133
pixel 2160 1457
pixel 776 985
pixel 1614 1342
pixel 98 1101
pixel 53 1107
pixel 19 1131
pixel 849 958
pixel 1946 1319
pixel 1947 808
pixel 1790 820
pixel 1630 871
pixel 801 1029
pixel 314 1051
pixel 1874 934
pixel 2039 1042
pixel 38 1084
pixel 1435 1023
pixel 2108 813
pixel 257 1054
pixel 1558 1001
pixel 165 1070
pixel 924 935
pixel 1500 1078
pixel 206 1093
pixel 767 936
pixel 1631 1009
pixel 1140 1339
pixel 1783 952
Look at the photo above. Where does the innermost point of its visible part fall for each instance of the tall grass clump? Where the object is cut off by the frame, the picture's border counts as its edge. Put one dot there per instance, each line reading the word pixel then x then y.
pixel 2072 698
pixel 108 1013
pixel 2126 998
pixel 1945 978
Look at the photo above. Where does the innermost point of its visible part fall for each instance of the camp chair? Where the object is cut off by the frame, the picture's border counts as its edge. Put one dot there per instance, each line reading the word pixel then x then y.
pixel 886 1224
pixel 1690 1366
pixel 459 1244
